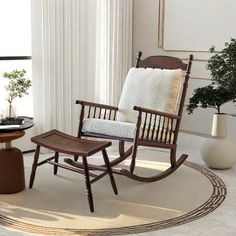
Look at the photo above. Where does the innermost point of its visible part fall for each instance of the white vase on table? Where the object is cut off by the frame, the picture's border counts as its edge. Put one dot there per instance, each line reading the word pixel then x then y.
pixel 219 152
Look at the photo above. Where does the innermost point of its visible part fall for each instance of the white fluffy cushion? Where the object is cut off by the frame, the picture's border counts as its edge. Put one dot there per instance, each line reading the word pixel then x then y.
pixel 109 127
pixel 121 129
pixel 151 88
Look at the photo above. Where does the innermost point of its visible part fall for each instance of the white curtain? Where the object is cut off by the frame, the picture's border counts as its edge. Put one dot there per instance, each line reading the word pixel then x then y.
pixel 81 49
pixel 114 48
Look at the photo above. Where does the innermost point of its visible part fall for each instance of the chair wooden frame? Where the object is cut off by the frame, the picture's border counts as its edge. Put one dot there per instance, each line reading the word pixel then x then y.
pixel 150 123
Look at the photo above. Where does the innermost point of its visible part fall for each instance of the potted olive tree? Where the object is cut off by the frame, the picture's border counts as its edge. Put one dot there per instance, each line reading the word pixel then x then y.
pixel 17 86
pixel 223 85
pixel 212 96
pixel 221 90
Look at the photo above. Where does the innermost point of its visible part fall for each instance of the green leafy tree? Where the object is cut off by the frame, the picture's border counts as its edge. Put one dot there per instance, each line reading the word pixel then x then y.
pixel 209 97
pixel 17 86
pixel 223 66
pixel 223 85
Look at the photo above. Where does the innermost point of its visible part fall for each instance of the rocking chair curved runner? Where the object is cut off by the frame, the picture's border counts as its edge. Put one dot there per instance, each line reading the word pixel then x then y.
pixel 149 112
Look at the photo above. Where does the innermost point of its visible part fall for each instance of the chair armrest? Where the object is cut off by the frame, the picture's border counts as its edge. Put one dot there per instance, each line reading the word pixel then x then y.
pixel 98 105
pixel 95 111
pixel 155 126
pixel 156 112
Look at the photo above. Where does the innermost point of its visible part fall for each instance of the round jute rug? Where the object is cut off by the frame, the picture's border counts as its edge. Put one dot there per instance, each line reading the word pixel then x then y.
pixel 57 205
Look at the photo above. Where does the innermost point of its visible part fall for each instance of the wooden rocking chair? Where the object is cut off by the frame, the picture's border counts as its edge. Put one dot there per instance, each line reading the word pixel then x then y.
pixel 149 112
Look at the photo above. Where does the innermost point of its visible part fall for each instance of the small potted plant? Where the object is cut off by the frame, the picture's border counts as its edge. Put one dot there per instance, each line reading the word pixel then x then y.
pixel 17 86
pixel 219 151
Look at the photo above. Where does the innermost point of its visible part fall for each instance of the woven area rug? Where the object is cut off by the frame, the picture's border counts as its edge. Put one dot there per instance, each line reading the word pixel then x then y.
pixel 57 205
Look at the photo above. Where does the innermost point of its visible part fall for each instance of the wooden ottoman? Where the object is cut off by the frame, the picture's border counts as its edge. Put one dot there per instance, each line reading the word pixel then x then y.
pixel 62 143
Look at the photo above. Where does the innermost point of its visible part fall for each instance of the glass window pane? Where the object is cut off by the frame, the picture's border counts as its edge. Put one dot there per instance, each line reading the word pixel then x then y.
pixel 15 25
pixel 15 40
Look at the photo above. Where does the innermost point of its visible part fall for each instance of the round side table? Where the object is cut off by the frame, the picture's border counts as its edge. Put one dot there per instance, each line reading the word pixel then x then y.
pixel 12 176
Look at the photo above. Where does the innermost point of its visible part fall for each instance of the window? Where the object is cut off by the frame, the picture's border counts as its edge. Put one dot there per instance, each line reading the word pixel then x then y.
pixel 15 46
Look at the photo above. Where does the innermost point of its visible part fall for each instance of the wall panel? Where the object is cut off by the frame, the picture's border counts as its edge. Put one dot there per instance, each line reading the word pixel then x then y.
pixel 145 39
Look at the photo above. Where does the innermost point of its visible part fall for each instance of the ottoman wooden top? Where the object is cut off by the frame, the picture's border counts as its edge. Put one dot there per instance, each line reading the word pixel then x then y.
pixel 64 143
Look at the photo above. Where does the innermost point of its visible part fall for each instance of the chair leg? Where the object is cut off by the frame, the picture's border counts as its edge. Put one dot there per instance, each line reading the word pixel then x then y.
pixel 76 158
pixel 133 159
pixel 109 170
pixel 173 157
pixel 88 184
pixel 34 166
pixel 122 148
pixel 56 160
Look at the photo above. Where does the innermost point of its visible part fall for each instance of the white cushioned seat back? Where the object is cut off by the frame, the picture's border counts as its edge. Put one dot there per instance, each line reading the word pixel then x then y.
pixel 150 88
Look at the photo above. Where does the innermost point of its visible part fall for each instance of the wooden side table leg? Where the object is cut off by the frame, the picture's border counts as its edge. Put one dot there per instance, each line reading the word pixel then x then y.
pixel 56 160
pixel 88 184
pixel 34 166
pixel 109 170
pixel 76 158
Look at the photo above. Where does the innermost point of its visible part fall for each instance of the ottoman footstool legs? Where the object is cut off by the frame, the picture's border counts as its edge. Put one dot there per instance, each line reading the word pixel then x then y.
pixel 63 143
pixel 109 170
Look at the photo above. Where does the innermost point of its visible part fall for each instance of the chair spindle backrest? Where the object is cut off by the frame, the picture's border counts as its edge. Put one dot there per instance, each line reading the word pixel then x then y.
pixel 168 62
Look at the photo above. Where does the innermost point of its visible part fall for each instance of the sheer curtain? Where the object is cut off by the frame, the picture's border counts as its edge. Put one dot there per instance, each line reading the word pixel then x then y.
pixel 81 49
pixel 113 47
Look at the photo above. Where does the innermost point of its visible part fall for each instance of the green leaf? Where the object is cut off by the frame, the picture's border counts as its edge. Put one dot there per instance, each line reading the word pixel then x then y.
pixel 17 85
pixel 223 84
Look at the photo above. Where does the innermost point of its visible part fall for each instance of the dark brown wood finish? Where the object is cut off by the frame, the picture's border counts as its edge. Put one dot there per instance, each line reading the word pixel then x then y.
pixel 62 143
pixel 12 177
pixel 95 111
pixel 109 170
pixel 88 184
pixel 34 166
pixel 163 62
pixel 8 137
pixel 56 157
pixel 154 128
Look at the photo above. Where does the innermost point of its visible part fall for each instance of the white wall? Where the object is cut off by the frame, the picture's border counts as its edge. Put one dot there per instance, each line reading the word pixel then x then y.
pixel 145 39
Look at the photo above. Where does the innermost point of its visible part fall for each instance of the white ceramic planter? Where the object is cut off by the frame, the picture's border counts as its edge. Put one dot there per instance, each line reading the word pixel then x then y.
pixel 219 152
pixel 219 125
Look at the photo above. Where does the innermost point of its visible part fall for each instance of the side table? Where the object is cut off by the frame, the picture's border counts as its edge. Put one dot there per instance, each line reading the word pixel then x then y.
pixel 12 177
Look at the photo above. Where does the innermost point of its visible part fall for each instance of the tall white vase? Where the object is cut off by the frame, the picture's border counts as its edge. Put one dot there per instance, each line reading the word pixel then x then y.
pixel 219 152
pixel 219 126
